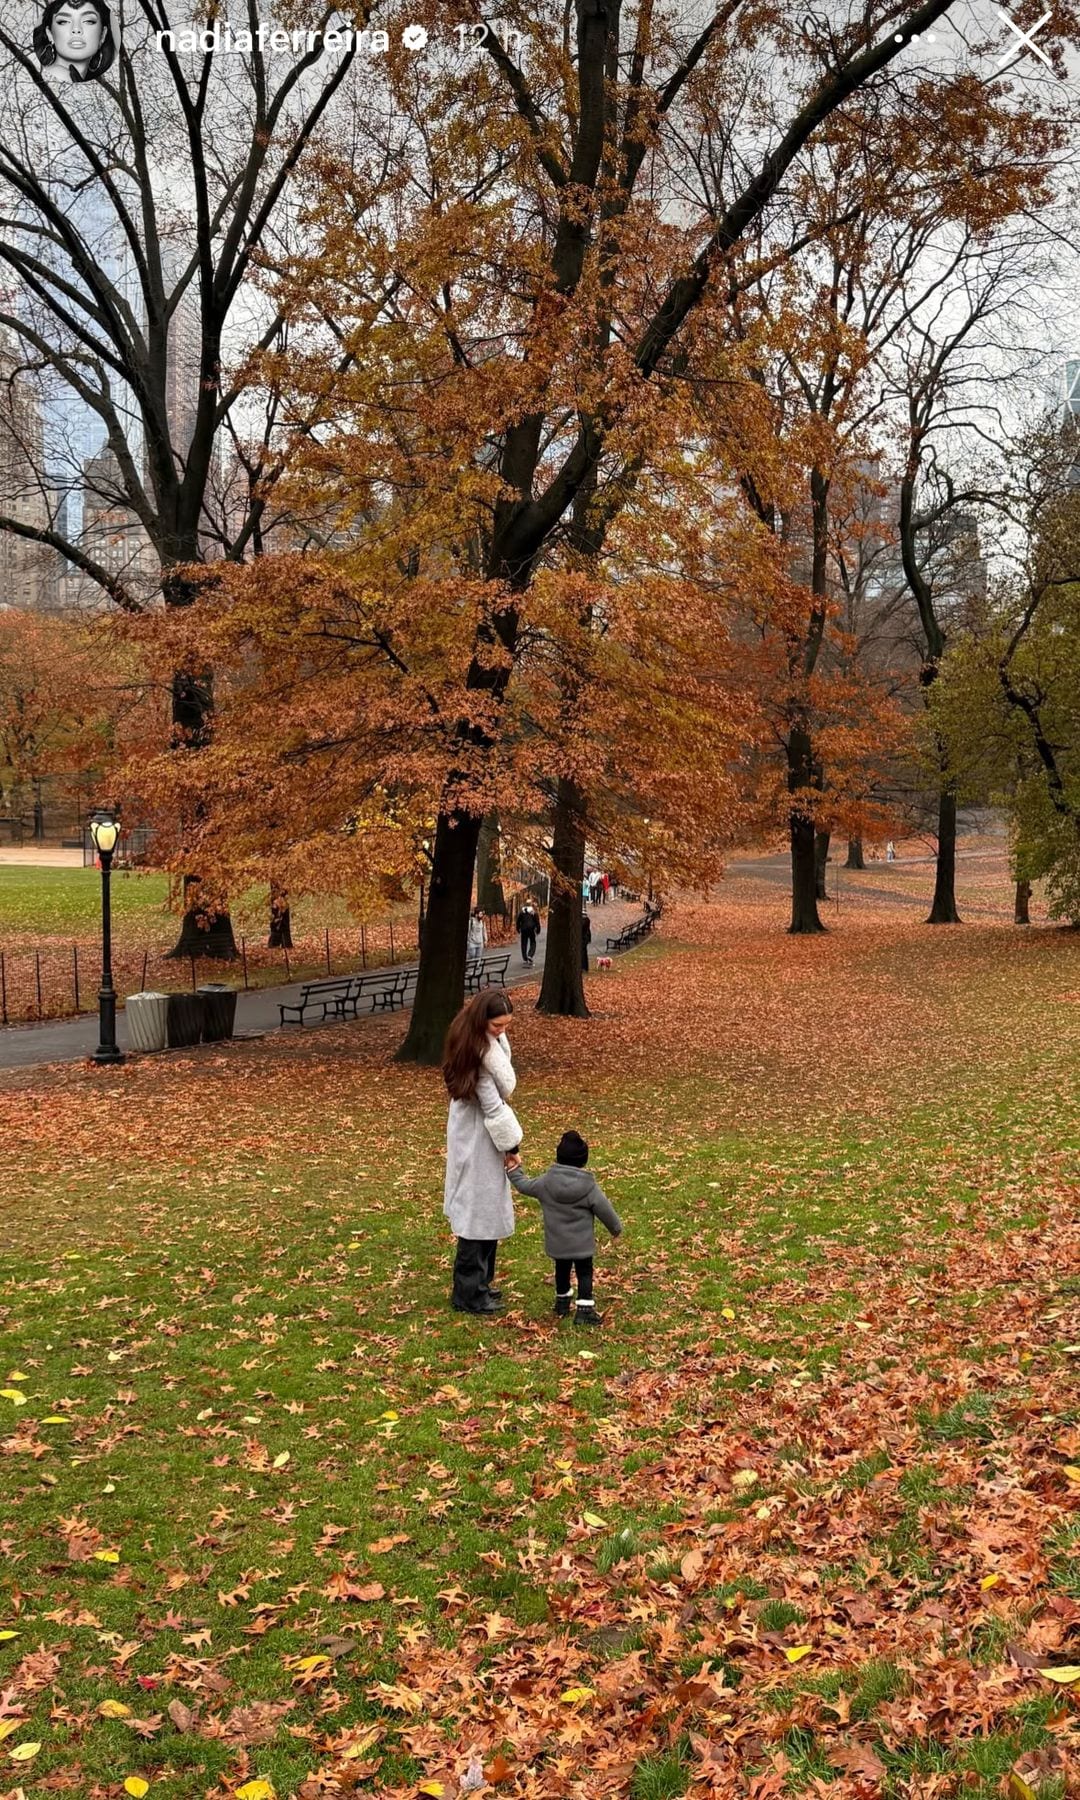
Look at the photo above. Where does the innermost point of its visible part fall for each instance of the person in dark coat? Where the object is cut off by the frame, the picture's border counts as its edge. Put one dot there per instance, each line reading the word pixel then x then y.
pixel 571 1201
pixel 528 930
pixel 586 940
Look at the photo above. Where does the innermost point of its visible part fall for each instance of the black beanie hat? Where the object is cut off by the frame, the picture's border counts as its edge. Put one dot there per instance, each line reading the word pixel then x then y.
pixel 572 1149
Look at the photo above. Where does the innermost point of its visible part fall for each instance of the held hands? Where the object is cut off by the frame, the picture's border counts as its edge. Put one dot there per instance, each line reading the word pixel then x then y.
pixel 511 1160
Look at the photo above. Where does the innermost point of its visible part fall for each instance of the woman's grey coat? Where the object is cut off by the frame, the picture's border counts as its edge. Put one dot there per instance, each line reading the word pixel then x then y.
pixel 478 1201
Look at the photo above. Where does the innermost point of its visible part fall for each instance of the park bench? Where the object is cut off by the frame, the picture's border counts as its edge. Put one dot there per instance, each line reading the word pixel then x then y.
pixel 382 989
pixel 481 972
pixel 333 996
pixel 633 933
pixel 386 990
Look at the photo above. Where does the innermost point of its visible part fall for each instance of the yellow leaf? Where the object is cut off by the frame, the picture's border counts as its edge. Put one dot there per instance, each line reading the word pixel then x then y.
pixel 113 1709
pixel 1066 1675
pixel 256 1790
pixel 280 1461
pixel 137 1786
pixel 1071 1471
pixel 56 1419
pixel 6 1636
pixel 798 1652
pixel 727 1312
pixel 109 1556
pixel 307 1663
pixel 1018 1788
pixel 388 1415
pixel 989 1581
pixel 13 1395
pixel 8 1728
pixel 24 1752
pixel 562 1463
pixel 592 1519
pixel 434 1788
pixel 17 1375
pixel 352 1751
pixel 744 1478
pixel 575 1695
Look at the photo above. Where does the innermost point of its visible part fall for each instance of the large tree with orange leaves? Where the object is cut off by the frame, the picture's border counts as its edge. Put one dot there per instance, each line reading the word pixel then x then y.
pixel 518 265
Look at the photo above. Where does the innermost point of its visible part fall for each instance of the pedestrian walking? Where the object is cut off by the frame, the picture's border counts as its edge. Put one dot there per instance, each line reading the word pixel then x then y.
pixel 477 942
pixel 528 930
pixel 586 889
pixel 890 851
pixel 597 890
pixel 606 887
pixel 586 940
pixel 481 1133
pixel 571 1201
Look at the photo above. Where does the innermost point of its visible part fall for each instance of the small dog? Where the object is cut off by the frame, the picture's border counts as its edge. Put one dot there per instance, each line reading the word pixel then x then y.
pixel 603 962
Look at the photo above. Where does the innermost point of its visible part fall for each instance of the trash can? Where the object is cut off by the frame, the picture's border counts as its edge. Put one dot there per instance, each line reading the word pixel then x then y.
pixel 219 1011
pixel 185 1018
pixel 147 1021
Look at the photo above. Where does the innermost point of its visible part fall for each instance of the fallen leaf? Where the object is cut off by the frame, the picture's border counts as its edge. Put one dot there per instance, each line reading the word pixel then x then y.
pixel 6 1636
pixel 1019 1789
pixel 8 1728
pixel 574 1696
pixel 383 1545
pixel 180 1715
pixel 1065 1676
pixel 593 1519
pixel 989 1581
pixel 113 1709
pixel 798 1651
pixel 434 1788
pixel 281 1459
pixel 13 1395
pixel 137 1786
pixel 109 1556
pixel 256 1790
pixel 24 1752
pixel 692 1564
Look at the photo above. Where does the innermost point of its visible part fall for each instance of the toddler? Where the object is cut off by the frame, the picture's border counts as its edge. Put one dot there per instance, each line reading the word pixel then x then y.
pixel 571 1202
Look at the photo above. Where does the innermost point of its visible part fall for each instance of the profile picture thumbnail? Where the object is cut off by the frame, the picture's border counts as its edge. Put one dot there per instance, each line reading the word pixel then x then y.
pixel 74 41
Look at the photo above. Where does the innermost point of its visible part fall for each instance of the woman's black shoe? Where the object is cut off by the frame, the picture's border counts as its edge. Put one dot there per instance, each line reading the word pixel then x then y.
pixel 496 1293
pixel 486 1305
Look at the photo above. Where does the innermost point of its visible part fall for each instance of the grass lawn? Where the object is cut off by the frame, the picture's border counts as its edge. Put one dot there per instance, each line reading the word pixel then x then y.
pixel 802 1518
pixel 66 903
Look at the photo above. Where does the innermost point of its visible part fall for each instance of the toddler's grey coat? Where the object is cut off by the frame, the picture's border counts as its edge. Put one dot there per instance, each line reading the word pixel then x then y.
pixel 477 1200
pixel 571 1200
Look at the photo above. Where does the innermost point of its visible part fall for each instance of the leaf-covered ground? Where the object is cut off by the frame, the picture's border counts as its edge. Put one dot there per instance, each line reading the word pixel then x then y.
pixel 803 1517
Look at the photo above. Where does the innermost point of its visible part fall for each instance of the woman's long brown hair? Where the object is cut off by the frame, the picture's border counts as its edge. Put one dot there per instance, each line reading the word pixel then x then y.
pixel 467 1041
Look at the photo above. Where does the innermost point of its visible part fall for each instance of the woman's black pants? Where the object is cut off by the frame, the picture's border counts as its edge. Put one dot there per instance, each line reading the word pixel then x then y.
pixel 474 1269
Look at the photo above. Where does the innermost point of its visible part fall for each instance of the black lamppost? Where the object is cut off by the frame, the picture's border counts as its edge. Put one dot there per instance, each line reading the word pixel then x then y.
pixel 105 829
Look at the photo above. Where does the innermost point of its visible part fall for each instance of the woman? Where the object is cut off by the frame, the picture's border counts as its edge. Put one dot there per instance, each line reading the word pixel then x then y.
pixel 477 939
pixel 481 1133
pixel 74 42
pixel 586 940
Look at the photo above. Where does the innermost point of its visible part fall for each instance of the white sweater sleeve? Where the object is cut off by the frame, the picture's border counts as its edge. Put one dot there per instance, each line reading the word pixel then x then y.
pixel 500 1120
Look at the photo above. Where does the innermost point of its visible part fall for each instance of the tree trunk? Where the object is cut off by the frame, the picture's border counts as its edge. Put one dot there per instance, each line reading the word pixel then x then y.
pixel 440 983
pixel 562 990
pixel 855 854
pixel 821 857
pixel 489 889
pixel 192 711
pixel 804 912
pixel 203 935
pixel 280 936
pixel 943 911
pixel 1022 907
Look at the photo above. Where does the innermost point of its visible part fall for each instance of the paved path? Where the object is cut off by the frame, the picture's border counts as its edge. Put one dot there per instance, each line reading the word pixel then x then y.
pixel 39 856
pixel 72 1040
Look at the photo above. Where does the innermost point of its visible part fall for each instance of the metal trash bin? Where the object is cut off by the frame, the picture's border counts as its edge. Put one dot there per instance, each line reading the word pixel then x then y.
pixel 185 1020
pixel 147 1021
pixel 219 1011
